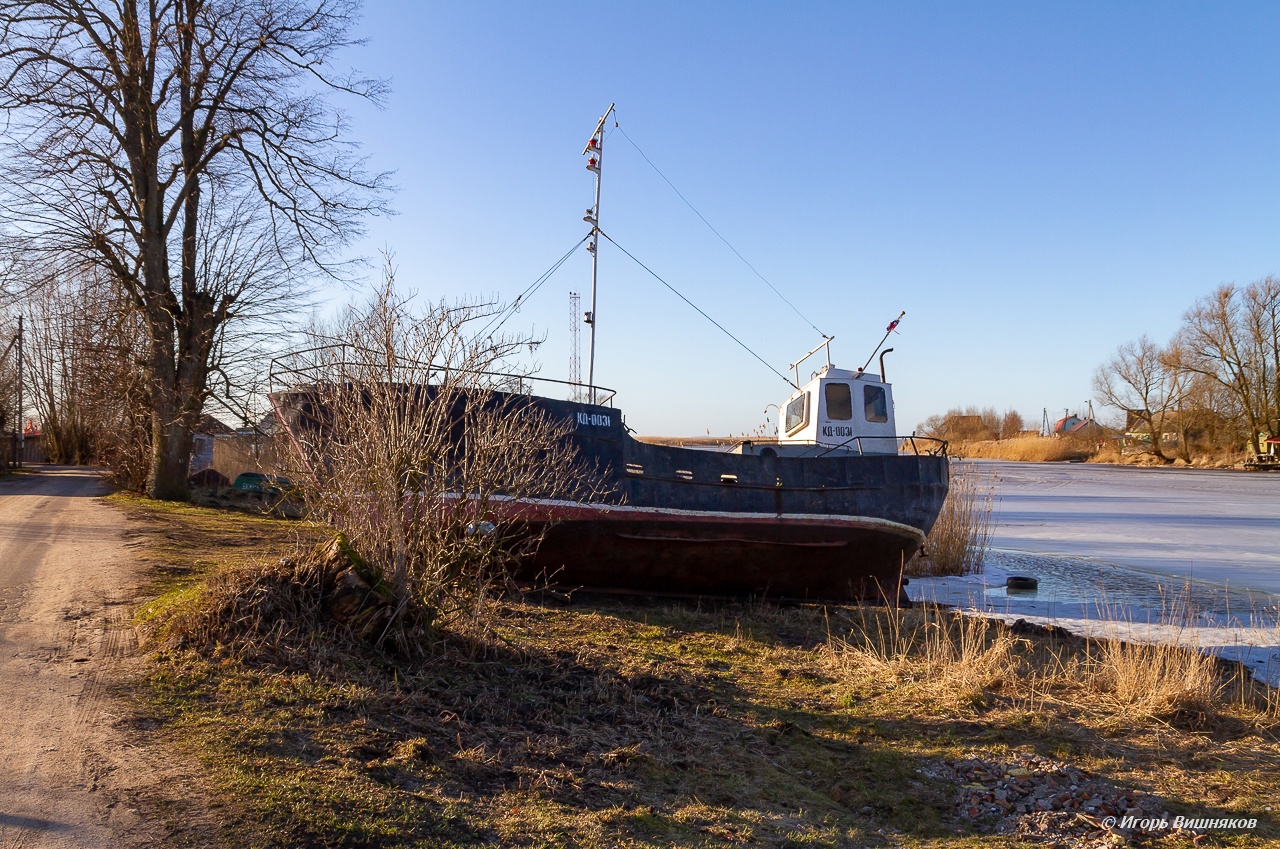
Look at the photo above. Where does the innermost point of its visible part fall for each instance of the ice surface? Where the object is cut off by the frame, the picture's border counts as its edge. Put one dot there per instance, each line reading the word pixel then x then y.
pixel 1168 555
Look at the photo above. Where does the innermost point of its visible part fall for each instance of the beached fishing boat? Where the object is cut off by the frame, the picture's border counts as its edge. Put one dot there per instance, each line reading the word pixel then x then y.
pixel 832 508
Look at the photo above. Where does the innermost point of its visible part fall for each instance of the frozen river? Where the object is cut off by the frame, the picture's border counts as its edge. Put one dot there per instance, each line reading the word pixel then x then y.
pixel 1171 554
pixel 1220 526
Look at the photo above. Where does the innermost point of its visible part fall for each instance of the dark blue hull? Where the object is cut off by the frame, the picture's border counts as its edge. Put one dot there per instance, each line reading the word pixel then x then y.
pixel 684 520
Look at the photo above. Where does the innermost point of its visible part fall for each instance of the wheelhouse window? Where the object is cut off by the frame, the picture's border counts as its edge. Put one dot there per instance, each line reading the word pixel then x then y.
pixel 839 402
pixel 797 413
pixel 875 404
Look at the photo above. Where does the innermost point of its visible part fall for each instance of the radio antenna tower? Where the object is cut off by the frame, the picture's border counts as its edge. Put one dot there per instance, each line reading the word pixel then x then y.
pixel 575 346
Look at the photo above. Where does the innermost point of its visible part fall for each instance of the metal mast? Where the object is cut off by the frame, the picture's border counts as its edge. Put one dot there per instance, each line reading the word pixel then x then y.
pixel 595 151
pixel 575 346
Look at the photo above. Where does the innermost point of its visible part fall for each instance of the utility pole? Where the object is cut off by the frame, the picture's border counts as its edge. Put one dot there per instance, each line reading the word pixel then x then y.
pixel 17 461
pixel 595 147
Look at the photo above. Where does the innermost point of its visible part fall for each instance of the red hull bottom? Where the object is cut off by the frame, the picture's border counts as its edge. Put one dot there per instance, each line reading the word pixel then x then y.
pixel 800 558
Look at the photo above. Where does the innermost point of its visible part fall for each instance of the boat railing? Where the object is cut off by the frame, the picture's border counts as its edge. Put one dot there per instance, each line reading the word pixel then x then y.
pixel 920 446
pixel 409 371
pixel 932 447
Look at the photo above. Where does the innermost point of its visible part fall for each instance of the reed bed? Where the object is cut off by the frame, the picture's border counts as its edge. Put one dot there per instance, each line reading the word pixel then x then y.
pixel 944 659
pixel 957 543
pixel 1035 449
pixel 938 654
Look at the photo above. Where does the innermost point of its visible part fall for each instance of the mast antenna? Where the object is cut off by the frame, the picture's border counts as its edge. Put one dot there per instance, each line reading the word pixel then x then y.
pixel 893 325
pixel 575 346
pixel 594 150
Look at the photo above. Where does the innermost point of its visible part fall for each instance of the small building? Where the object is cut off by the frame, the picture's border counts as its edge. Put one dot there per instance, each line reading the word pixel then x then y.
pixel 1268 455
pixel 249 449
pixel 1064 425
pixel 202 442
pixel 1073 425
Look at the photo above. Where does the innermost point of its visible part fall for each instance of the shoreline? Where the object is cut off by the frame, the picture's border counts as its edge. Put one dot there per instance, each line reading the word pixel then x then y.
pixel 1099 600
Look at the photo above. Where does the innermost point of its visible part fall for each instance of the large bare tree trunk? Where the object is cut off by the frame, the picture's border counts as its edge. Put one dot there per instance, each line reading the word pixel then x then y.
pixel 134 121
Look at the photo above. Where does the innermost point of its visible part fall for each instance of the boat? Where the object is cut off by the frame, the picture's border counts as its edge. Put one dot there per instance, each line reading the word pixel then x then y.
pixel 831 509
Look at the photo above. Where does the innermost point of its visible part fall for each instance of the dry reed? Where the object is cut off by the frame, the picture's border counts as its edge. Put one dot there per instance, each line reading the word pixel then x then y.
pixel 949 657
pixel 957 543
pixel 950 660
pixel 1152 680
pixel 1036 449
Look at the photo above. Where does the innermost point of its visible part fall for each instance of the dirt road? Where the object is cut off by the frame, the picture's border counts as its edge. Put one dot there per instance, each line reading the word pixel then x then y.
pixel 68 771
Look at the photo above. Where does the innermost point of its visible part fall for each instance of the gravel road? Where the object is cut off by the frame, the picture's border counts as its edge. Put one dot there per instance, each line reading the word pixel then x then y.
pixel 68 768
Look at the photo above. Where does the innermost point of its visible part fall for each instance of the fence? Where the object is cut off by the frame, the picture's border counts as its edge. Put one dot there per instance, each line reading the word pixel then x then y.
pixel 32 451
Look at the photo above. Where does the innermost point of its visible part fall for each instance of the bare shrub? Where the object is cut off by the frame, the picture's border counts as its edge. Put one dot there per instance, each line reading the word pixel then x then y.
pixel 957 543
pixel 406 438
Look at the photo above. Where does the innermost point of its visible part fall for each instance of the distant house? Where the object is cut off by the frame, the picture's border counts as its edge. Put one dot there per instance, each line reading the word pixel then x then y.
pixel 1064 425
pixel 1073 425
pixel 250 449
pixel 1268 451
pixel 202 442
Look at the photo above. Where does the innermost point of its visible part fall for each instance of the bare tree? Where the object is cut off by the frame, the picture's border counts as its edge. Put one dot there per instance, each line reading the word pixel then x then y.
pixel 1261 315
pixel 85 349
pixel 61 337
pixel 1011 424
pixel 10 415
pixel 1232 338
pixel 406 438
pixel 135 128
pixel 1144 383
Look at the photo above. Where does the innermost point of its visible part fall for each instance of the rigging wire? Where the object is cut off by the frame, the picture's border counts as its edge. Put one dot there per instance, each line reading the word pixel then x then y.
pixel 754 270
pixel 511 308
pixel 743 345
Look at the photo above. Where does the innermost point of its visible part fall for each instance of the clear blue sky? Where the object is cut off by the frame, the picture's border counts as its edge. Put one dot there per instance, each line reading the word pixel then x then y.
pixel 1033 183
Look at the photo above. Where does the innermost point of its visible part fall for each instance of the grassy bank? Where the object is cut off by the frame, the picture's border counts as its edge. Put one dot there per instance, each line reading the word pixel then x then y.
pixel 606 722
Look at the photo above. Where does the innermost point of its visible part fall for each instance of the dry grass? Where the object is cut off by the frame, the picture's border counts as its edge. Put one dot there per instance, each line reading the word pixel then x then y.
pixel 939 655
pixel 944 659
pixel 957 543
pixel 1037 449
pixel 632 723
pixel 1154 680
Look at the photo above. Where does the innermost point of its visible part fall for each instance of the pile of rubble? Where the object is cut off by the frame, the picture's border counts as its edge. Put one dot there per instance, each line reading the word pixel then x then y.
pixel 1046 801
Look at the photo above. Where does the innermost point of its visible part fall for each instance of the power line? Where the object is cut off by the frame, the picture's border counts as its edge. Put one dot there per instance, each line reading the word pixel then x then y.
pixel 754 270
pixel 762 360
pixel 510 309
